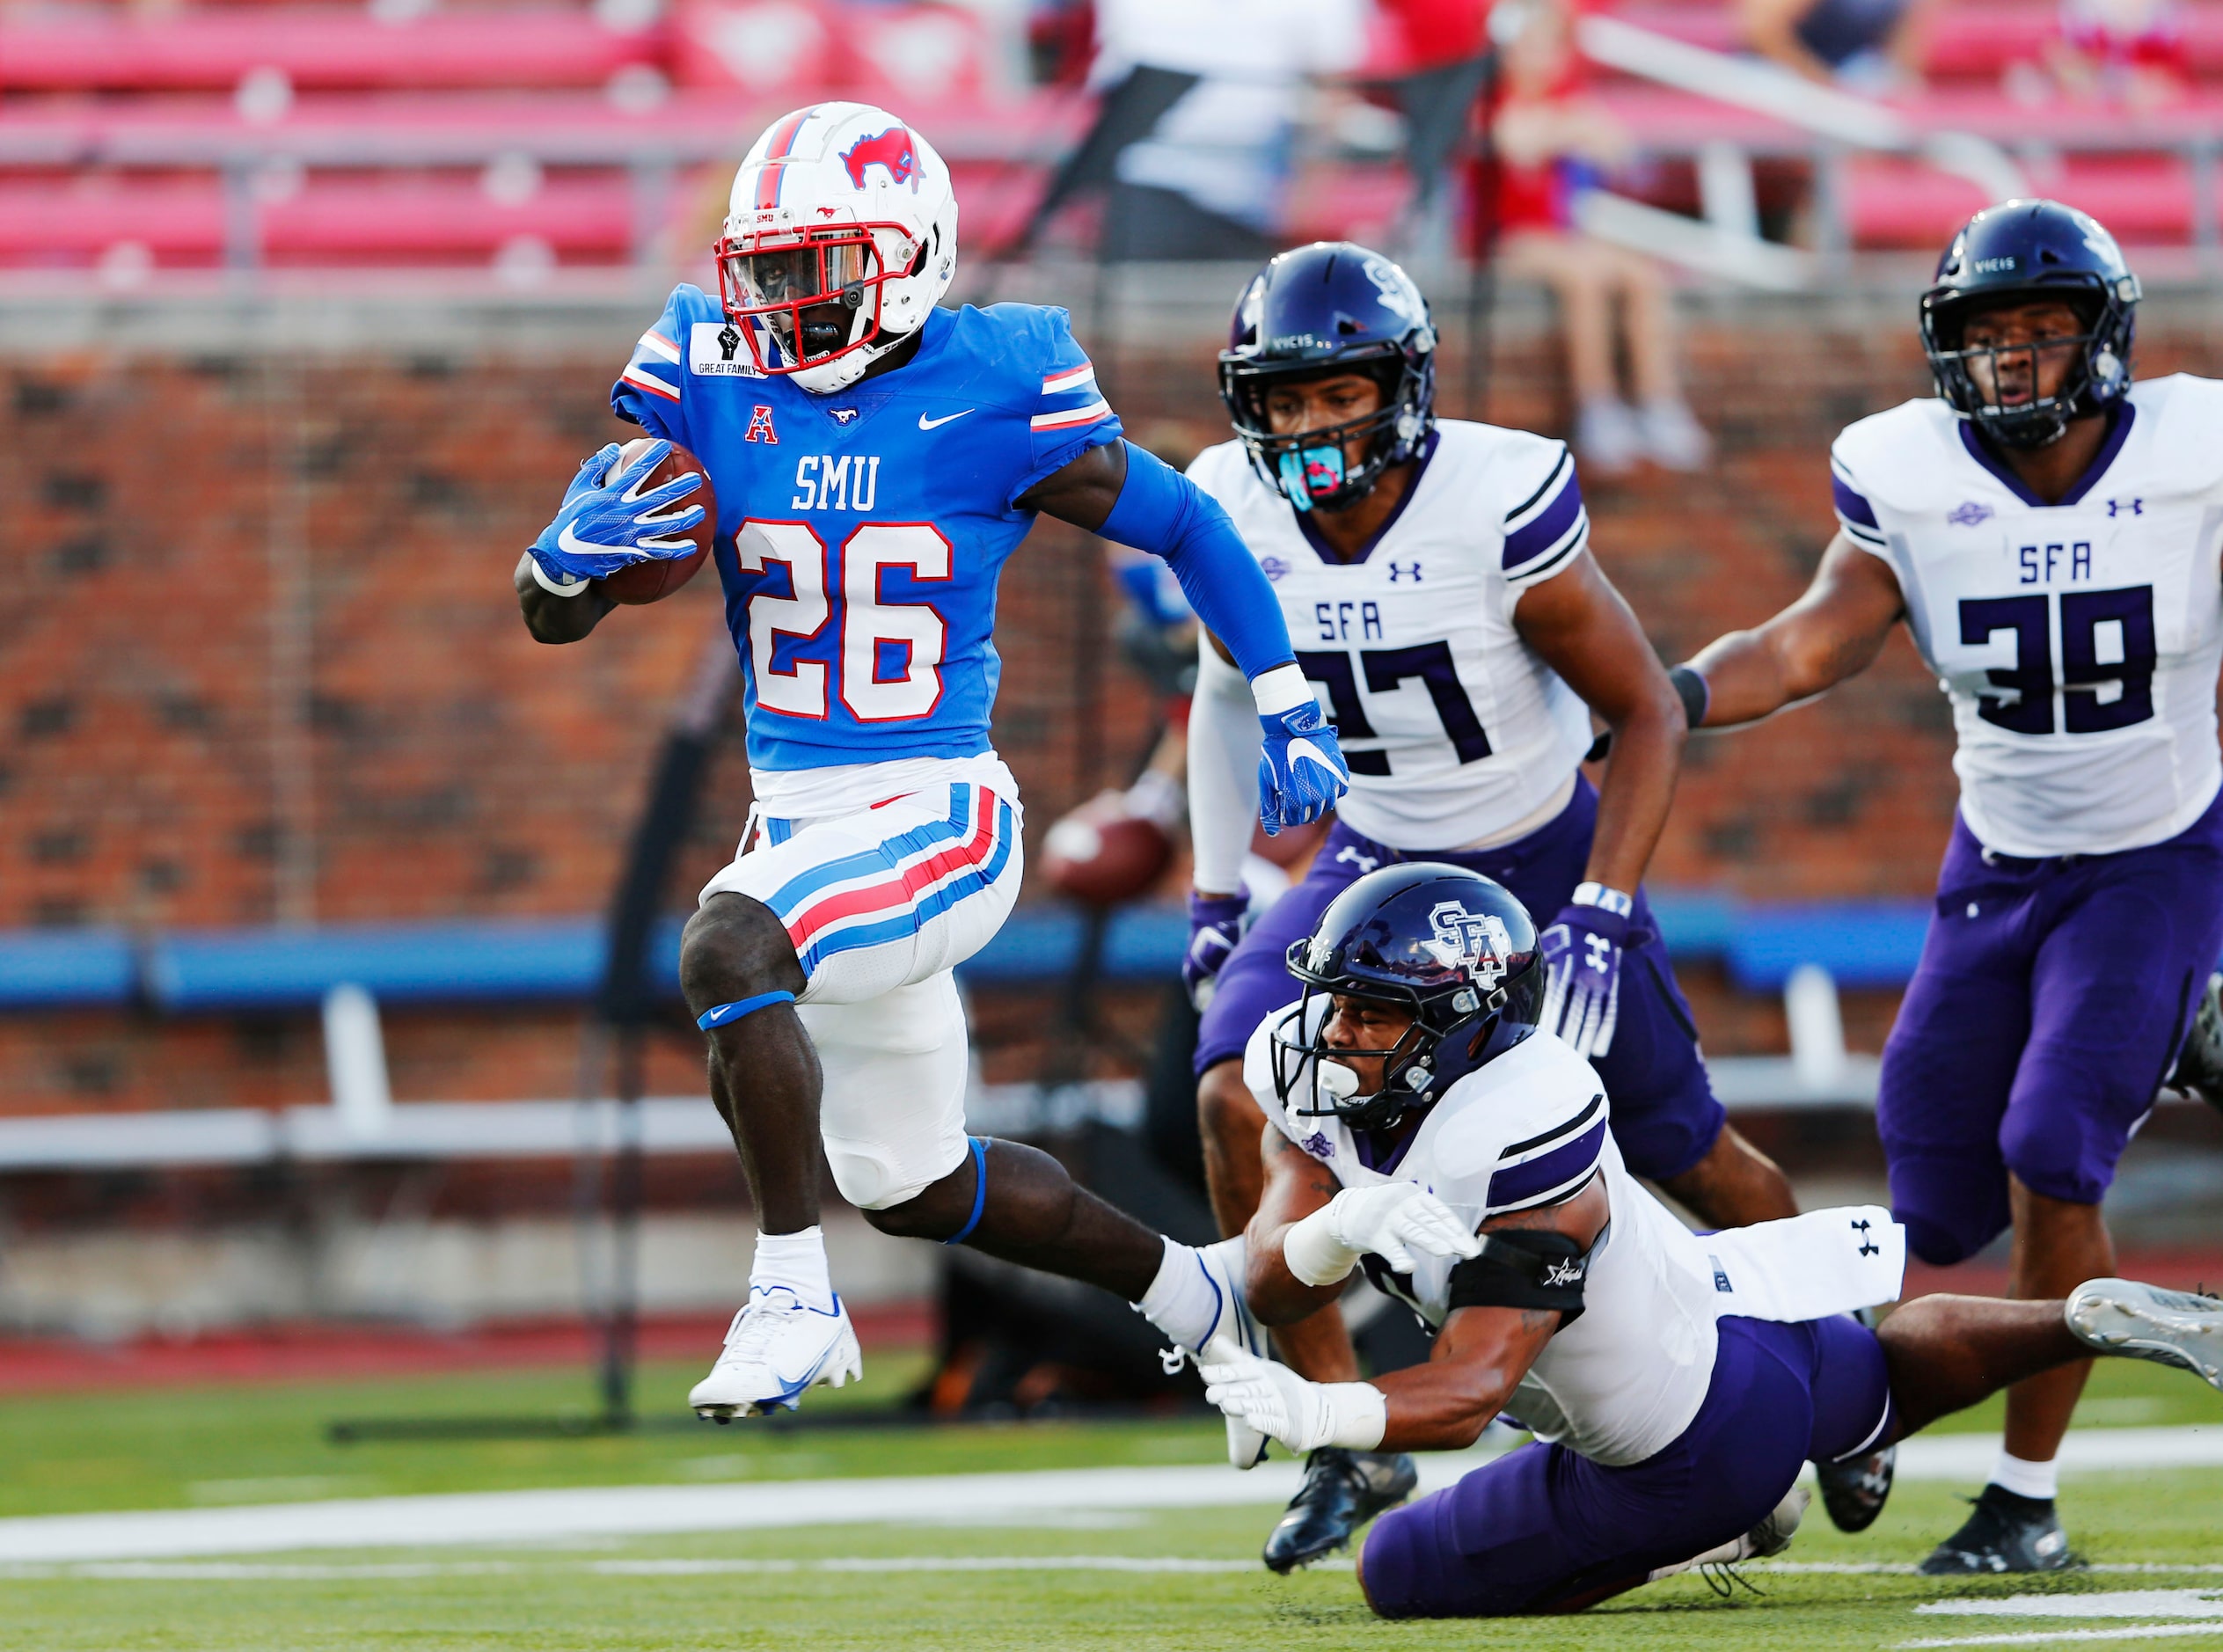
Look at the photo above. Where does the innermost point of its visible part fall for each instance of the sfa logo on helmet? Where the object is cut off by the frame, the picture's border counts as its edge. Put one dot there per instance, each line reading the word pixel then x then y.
pixel 1473 941
pixel 892 151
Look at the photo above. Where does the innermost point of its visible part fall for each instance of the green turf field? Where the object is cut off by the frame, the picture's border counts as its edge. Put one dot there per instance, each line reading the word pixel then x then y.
pixel 1046 1582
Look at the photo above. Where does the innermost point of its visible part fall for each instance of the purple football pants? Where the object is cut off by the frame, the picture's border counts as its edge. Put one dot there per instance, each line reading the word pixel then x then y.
pixel 1665 1118
pixel 1544 1530
pixel 2050 1003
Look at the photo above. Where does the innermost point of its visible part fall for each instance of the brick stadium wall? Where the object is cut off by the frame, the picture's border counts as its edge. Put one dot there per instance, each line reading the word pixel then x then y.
pixel 202 542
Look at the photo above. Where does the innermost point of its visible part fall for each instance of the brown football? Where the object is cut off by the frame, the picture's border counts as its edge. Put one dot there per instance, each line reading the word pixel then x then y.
pixel 652 581
pixel 1102 853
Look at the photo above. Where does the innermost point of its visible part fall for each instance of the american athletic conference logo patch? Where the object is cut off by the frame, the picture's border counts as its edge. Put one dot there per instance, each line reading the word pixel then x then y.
pixel 1474 941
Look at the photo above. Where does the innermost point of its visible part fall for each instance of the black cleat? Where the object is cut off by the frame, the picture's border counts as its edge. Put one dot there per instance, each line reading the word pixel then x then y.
pixel 1854 1489
pixel 1343 1490
pixel 2004 1532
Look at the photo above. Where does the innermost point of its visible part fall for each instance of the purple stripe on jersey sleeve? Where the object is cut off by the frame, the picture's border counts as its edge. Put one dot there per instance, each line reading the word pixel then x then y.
pixel 1544 531
pixel 1850 505
pixel 1514 1185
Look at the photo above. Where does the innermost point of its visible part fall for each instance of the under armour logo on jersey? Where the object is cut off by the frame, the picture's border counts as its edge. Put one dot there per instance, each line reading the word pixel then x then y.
pixel 1273 568
pixel 760 426
pixel 1348 855
pixel 1404 571
pixel 1318 1145
pixel 1869 1246
pixel 1967 515
pixel 1474 941
pixel 2126 508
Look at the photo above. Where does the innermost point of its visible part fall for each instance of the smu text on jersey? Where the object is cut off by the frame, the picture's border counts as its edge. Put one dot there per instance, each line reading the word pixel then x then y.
pixel 861 533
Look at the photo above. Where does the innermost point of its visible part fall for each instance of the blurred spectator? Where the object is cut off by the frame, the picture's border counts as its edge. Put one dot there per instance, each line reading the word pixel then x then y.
pixel 1207 181
pixel 1554 141
pixel 1061 39
pixel 1871 47
pixel 2125 52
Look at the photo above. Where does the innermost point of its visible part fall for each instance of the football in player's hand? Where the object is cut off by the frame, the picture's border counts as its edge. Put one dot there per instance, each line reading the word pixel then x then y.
pixel 652 581
pixel 1104 852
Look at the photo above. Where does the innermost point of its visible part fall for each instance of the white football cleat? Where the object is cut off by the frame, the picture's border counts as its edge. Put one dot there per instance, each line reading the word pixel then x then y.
pixel 777 1346
pixel 1224 1266
pixel 1772 1536
pixel 2170 1327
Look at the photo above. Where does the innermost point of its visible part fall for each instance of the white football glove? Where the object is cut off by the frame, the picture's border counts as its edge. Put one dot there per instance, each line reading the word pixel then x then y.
pixel 1276 1402
pixel 1398 1221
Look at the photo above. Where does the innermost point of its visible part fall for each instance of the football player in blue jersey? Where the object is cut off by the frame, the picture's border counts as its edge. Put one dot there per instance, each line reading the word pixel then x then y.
pixel 875 459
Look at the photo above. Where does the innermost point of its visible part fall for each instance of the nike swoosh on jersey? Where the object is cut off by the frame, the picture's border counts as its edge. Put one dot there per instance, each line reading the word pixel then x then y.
pixel 924 423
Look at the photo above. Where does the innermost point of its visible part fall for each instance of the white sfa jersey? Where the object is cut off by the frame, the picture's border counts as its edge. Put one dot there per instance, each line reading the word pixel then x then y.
pixel 2078 642
pixel 1530 1128
pixel 1454 729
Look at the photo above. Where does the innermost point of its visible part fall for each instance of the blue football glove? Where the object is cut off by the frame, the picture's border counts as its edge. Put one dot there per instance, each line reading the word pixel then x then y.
pixel 606 523
pixel 1301 772
pixel 1583 952
pixel 1215 927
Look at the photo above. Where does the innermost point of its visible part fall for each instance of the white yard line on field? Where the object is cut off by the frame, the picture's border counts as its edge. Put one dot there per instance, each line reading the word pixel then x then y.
pixel 2122 1603
pixel 260 1572
pixel 481 1518
pixel 1907 1568
pixel 2133 1632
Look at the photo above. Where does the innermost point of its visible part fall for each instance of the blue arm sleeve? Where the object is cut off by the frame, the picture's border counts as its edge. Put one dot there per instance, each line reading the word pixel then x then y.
pixel 1161 511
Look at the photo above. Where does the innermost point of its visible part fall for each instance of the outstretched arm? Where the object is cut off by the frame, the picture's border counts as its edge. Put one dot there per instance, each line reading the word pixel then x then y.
pixel 1133 498
pixel 1296 1185
pixel 1830 633
pixel 1583 630
pixel 1481 1354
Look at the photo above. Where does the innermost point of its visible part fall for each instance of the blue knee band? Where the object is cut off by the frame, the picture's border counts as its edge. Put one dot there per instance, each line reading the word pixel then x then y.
pixel 727 1014
pixel 980 1192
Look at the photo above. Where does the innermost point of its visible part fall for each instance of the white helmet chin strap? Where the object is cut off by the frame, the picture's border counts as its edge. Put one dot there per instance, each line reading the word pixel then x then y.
pixel 843 370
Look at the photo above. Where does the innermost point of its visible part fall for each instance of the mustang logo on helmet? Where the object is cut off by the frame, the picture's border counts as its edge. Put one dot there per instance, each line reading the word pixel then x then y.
pixel 891 151
pixel 1474 941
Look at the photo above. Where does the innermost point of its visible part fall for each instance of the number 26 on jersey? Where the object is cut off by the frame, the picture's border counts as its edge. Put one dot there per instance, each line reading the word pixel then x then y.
pixel 887 667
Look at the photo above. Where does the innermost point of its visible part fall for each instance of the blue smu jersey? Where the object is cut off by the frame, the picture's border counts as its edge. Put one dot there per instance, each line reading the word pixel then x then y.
pixel 860 535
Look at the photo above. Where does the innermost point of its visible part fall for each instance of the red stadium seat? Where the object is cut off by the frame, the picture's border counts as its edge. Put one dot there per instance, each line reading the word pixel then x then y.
pixel 2143 198
pixel 212 50
pixel 1965 42
pixel 346 220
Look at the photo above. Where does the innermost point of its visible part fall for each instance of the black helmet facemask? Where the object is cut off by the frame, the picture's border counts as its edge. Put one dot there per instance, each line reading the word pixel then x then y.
pixel 2018 252
pixel 1332 307
pixel 1453 948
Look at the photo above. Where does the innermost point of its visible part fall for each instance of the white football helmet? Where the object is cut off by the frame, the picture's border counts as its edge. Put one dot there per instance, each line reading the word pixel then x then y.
pixel 841 234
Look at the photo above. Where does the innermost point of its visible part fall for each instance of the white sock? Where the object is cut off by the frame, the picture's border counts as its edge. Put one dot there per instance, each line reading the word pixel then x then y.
pixel 797 1260
pixel 2041 1481
pixel 1184 1300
